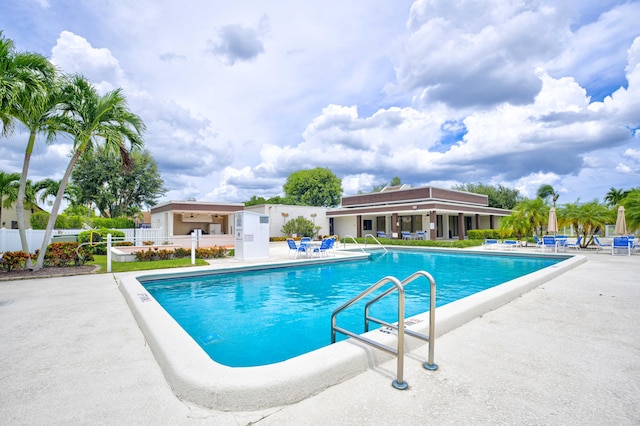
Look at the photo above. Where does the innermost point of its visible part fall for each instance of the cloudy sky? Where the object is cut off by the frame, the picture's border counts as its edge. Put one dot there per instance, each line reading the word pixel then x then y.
pixel 238 95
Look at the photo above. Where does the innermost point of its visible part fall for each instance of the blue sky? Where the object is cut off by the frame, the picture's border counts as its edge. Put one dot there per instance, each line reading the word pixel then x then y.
pixel 238 95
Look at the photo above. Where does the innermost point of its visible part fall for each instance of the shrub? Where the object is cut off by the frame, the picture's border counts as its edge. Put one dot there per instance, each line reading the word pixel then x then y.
pixel 66 254
pixel 12 260
pixel 117 222
pixel 483 234
pixel 39 220
pixel 300 226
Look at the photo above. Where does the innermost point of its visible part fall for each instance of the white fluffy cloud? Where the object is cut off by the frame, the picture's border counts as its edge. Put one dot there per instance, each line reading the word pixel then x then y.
pixel 236 97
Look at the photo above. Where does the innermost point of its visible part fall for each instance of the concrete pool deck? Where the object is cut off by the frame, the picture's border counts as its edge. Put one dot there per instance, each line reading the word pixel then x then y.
pixel 567 352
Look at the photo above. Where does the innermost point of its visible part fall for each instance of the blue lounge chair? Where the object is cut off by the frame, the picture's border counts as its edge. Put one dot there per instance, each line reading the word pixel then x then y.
pixel 549 242
pixel 490 244
pixel 406 235
pixel 575 245
pixel 621 244
pixel 509 244
pixel 419 235
pixel 599 245
pixel 382 234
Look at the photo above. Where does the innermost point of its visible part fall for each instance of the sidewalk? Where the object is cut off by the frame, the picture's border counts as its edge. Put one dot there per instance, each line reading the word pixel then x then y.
pixel 565 353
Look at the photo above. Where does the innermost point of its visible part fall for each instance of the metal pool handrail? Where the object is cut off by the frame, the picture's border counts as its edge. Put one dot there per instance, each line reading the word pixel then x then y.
pixel 399 383
pixel 354 240
pixel 376 240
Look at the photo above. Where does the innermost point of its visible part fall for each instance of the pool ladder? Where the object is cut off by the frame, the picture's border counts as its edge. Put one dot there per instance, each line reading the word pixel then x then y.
pixel 398 286
pixel 346 237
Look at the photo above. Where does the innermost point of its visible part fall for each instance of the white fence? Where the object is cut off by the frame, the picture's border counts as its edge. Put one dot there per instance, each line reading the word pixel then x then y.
pixel 10 238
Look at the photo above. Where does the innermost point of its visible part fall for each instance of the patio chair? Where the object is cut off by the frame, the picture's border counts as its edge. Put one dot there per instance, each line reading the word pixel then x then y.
pixel 575 245
pixel 538 242
pixel 419 235
pixel 304 247
pixel 599 245
pixel 621 244
pixel 382 234
pixel 325 247
pixel 293 247
pixel 406 235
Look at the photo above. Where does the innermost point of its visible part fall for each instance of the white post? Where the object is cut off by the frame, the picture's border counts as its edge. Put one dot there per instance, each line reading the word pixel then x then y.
pixel 193 248
pixel 108 252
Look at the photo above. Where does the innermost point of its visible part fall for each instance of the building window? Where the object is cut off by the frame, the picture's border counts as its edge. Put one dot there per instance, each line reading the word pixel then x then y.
pixel 367 225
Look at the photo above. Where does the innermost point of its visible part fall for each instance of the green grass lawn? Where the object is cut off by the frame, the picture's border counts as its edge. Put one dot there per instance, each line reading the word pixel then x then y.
pixel 143 266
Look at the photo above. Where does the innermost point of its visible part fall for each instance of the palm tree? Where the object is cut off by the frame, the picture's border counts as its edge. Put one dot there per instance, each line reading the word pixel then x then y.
pixel 631 204
pixel 92 119
pixel 535 211
pixel 19 72
pixel 587 219
pixel 614 196
pixel 546 191
pixel 8 190
pixel 28 95
pixel 517 224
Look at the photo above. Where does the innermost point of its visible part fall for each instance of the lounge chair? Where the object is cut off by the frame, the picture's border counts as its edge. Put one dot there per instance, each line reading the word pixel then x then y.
pixel 419 235
pixel 575 245
pixel 549 241
pixel 406 235
pixel 490 244
pixel 509 244
pixel 621 244
pixel 599 245
pixel 382 234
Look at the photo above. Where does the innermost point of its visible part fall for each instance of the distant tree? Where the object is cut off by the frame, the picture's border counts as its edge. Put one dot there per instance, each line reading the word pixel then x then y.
pixel 314 187
pixel 546 191
pixel 631 203
pixel 498 196
pixel 614 196
pixel 114 190
pixel 9 183
pixel 255 200
pixel 394 182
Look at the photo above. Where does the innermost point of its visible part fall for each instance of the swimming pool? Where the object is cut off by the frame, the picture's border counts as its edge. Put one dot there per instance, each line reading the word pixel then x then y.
pixel 253 318
pixel 195 377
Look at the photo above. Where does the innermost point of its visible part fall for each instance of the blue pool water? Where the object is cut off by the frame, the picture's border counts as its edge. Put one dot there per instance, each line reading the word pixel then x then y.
pixel 261 317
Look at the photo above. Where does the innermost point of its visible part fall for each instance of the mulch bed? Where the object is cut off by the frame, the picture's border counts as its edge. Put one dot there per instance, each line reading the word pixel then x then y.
pixel 24 274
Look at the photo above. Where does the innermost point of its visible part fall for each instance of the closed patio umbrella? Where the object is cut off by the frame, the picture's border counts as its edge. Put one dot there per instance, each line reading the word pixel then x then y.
pixel 621 223
pixel 552 227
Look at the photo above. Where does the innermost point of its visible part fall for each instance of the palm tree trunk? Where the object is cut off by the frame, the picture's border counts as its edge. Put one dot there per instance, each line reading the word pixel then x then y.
pixel 22 229
pixel 55 208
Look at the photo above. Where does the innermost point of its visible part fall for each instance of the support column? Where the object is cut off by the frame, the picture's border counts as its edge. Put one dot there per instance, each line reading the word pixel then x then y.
pixel 477 221
pixel 461 230
pixel 491 222
pixel 394 224
pixel 359 226
pixel 433 223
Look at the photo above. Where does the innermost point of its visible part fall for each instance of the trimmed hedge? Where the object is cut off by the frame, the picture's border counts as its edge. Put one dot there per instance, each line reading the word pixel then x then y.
pixel 99 236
